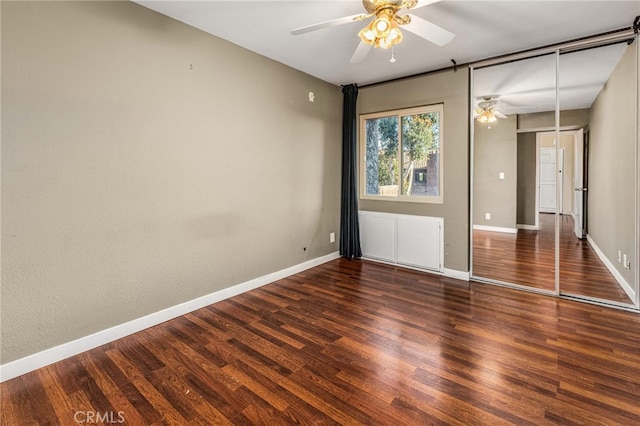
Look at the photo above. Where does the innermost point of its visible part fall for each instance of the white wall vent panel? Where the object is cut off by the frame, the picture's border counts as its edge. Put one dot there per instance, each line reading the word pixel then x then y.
pixel 415 241
pixel 377 236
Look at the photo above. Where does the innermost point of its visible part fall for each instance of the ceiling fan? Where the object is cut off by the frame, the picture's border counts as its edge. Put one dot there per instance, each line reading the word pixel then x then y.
pixel 486 111
pixel 384 29
pixel 491 107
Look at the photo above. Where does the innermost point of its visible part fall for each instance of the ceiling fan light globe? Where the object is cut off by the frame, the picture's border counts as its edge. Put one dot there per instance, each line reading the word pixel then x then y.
pixel 487 116
pixel 367 35
pixel 386 43
pixel 381 26
pixel 395 35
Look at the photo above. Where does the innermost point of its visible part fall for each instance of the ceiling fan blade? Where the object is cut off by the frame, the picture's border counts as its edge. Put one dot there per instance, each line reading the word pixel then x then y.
pixel 516 105
pixel 429 31
pixel 361 52
pixel 499 114
pixel 327 24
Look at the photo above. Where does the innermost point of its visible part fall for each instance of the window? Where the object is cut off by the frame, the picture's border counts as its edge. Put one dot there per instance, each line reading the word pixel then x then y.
pixel 401 155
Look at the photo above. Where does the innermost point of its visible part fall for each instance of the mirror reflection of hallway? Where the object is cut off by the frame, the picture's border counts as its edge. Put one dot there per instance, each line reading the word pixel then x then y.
pixel 511 245
pixel 598 232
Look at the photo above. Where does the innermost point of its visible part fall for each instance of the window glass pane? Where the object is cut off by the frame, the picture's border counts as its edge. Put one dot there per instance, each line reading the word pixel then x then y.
pixel 420 154
pixel 381 157
pixel 401 155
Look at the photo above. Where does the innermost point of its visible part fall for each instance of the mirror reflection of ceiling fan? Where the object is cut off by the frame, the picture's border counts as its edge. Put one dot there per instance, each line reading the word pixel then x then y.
pixel 490 108
pixel 384 29
pixel 487 111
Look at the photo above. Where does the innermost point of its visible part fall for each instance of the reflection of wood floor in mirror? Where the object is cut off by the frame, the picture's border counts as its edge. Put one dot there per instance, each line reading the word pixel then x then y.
pixel 581 270
pixel 527 258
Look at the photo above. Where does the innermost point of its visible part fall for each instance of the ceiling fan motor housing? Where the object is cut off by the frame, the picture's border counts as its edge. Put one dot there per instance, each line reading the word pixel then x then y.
pixel 371 6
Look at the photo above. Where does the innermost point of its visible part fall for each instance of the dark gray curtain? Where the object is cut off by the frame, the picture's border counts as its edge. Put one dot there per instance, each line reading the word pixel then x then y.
pixel 349 228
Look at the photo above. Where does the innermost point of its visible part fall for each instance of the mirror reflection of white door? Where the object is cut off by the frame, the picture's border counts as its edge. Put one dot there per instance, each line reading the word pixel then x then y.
pixel 550 173
pixel 578 184
pixel 547 180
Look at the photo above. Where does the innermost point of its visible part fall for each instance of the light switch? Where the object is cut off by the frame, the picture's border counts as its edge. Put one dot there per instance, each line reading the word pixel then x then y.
pixel 501 175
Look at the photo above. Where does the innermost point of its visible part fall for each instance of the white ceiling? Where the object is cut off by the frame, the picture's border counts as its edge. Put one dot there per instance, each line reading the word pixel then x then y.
pixel 483 29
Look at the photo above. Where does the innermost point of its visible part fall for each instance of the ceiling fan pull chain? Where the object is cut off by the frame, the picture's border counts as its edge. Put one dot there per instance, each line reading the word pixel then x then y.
pixel 393 58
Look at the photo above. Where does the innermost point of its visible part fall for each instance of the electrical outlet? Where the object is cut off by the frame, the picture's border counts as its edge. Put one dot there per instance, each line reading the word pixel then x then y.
pixel 624 260
pixel 629 265
pixel 487 216
pixel 332 237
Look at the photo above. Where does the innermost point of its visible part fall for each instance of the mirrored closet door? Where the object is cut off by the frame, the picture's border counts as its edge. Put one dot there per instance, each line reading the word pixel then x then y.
pixel 555 192
pixel 598 138
pixel 513 201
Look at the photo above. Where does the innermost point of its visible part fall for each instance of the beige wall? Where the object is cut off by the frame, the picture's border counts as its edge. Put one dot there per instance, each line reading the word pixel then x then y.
pixel 451 88
pixel 495 152
pixel 526 211
pixel 537 120
pixel 146 163
pixel 611 218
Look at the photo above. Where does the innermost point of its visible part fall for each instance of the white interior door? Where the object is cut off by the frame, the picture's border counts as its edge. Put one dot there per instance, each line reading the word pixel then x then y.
pixel 578 184
pixel 560 180
pixel 547 191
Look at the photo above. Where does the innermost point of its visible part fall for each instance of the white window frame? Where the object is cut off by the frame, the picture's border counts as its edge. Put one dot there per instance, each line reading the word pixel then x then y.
pixel 432 199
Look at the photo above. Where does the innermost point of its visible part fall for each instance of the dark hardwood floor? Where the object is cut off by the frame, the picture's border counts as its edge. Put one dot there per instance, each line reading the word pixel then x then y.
pixel 528 258
pixel 581 270
pixel 354 342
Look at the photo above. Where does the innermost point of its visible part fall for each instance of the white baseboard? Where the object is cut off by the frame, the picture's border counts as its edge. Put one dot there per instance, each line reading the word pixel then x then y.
pixel 528 227
pixel 49 356
pixel 449 273
pixel 495 229
pixel 458 275
pixel 616 274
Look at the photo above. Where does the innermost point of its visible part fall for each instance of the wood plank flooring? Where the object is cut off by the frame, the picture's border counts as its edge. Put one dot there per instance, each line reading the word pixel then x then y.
pixel 581 270
pixel 528 258
pixel 353 342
